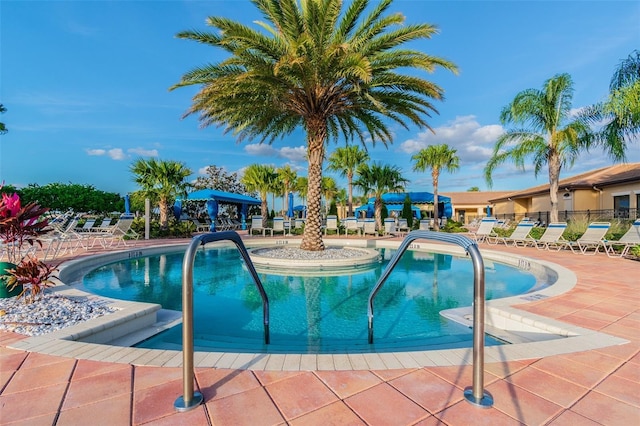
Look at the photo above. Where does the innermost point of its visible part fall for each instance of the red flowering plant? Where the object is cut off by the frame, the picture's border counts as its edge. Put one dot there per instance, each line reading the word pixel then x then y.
pixel 20 226
pixel 34 276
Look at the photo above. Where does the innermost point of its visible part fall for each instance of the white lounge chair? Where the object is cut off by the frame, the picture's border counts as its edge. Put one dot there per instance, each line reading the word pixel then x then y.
pixel 369 227
pixel 351 225
pixel 630 239
pixel 117 234
pixel 552 238
pixel 257 225
pixel 425 225
pixel 519 236
pixel 590 242
pixel 485 230
pixel 278 226
pixel 332 225
pixel 403 226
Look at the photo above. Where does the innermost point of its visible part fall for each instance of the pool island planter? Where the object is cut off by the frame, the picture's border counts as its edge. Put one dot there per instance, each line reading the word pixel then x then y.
pixel 5 292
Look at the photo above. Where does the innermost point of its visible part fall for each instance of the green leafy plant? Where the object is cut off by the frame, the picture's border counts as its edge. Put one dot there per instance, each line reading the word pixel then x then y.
pixel 34 275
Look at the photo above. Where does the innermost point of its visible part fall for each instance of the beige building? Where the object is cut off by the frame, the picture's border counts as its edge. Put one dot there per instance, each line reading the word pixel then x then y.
pixel 470 205
pixel 610 192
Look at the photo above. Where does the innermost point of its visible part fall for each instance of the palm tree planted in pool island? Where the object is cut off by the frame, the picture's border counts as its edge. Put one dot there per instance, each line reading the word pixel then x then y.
pixel 436 158
pixel 313 65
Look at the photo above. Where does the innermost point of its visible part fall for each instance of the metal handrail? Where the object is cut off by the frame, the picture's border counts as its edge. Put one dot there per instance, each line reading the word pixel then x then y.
pixel 475 394
pixel 190 399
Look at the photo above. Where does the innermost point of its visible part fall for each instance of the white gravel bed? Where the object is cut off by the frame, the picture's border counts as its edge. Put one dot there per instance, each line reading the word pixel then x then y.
pixel 50 313
pixel 295 253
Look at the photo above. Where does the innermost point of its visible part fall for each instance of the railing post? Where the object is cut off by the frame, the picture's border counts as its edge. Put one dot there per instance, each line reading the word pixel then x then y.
pixel 475 394
pixel 190 399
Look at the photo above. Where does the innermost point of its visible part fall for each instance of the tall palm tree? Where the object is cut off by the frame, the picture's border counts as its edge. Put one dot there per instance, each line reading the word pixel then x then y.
pixel 620 113
pixel 288 177
pixel 552 137
pixel 162 181
pixel 334 71
pixel 376 180
pixel 436 158
pixel 260 178
pixel 329 191
pixel 3 128
pixel 346 161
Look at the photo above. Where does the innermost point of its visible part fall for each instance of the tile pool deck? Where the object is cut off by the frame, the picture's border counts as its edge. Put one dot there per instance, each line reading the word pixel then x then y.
pixel 600 386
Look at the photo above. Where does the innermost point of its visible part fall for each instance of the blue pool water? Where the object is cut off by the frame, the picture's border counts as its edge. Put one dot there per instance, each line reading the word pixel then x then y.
pixel 309 314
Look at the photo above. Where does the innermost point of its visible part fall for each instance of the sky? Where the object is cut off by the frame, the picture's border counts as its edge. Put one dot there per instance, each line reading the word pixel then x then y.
pixel 86 86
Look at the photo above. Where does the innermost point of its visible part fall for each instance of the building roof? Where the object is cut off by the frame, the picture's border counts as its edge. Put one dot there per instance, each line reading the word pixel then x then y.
pixel 600 178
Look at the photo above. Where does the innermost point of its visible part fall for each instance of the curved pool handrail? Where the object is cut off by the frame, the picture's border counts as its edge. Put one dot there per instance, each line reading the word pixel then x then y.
pixel 190 399
pixel 475 394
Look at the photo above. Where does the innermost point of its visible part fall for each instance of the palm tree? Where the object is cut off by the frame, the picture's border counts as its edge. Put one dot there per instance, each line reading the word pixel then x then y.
pixel 329 191
pixel 334 72
pixel 552 138
pixel 302 185
pixel 161 181
pixel 346 161
pixel 621 111
pixel 288 177
pixel 378 179
pixel 260 178
pixel 436 158
pixel 3 128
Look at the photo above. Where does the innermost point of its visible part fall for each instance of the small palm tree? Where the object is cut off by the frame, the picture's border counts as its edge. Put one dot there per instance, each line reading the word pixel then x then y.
pixel 346 161
pixel 161 181
pixel 288 177
pixel 260 178
pixel 436 158
pixel 378 179
pixel 551 138
pixel 329 191
pixel 336 72
pixel 302 185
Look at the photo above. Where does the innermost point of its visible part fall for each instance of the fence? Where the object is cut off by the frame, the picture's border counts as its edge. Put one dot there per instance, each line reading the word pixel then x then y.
pixel 567 216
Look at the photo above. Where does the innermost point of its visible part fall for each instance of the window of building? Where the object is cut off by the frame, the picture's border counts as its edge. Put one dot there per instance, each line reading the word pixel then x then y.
pixel 621 206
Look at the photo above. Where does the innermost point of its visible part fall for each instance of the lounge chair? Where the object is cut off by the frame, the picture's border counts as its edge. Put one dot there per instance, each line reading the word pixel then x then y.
pixel 201 227
pixel 256 225
pixel 630 239
pixel 351 225
pixel 485 230
pixel 278 226
pixel 425 225
pixel 117 234
pixel 88 224
pixel 519 236
pixel 552 238
pixel 403 226
pixel 332 225
pixel 369 227
pixel 590 242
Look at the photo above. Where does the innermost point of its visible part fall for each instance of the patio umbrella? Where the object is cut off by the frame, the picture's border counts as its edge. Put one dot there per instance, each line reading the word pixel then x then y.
pixel 290 209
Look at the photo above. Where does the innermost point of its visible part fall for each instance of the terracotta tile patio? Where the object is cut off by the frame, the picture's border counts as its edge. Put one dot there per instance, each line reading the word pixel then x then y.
pixel 600 386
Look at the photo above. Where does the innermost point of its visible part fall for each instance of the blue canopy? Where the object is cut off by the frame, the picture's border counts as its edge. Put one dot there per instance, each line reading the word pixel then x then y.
pixel 392 199
pixel 215 197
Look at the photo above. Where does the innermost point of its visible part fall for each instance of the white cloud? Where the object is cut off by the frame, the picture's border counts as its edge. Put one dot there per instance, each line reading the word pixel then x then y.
pixel 473 141
pixel 96 151
pixel 144 152
pixel 295 154
pixel 116 154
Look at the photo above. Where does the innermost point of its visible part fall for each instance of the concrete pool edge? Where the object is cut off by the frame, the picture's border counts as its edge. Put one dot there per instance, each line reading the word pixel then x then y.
pixel 577 339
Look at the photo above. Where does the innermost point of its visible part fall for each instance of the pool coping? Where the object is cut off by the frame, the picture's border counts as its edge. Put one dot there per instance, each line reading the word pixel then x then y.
pixel 534 331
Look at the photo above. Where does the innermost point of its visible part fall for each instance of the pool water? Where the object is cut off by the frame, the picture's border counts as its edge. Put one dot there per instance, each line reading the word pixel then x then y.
pixel 310 314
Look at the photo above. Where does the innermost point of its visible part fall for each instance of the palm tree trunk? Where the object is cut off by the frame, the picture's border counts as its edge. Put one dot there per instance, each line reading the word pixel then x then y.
pixel 436 220
pixel 163 206
pixel 312 236
pixel 350 183
pixel 554 178
pixel 377 211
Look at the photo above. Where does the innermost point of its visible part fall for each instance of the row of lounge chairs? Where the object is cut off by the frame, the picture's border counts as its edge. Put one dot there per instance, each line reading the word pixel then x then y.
pixel 591 242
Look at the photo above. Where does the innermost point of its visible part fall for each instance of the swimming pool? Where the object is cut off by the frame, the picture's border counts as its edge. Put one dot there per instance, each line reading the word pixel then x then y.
pixel 310 314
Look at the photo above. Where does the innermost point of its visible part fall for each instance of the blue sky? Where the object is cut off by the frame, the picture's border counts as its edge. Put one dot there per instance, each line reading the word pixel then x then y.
pixel 86 85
